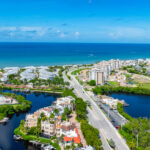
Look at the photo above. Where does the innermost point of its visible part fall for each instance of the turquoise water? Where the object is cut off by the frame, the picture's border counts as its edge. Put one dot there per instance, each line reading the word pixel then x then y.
pixel 24 54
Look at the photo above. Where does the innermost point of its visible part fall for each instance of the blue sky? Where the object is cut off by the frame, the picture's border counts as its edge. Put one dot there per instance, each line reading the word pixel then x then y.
pixel 104 21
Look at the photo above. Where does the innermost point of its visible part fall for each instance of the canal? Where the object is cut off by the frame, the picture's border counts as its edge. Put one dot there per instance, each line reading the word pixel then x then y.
pixel 38 100
pixel 139 105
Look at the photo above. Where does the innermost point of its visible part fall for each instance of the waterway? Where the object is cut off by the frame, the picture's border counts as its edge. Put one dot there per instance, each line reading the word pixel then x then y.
pixel 139 105
pixel 38 100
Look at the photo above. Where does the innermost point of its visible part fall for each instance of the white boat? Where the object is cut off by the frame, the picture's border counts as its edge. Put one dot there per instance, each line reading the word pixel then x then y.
pixel 16 137
pixel 4 120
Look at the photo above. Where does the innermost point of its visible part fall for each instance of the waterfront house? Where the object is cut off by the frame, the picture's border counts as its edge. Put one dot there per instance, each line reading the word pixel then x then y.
pixel 31 120
pixel 48 128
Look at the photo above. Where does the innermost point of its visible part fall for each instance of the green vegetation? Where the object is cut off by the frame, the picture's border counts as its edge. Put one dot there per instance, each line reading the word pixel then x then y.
pixel 132 69
pixel 68 92
pixel 53 82
pixel 112 72
pixel 61 69
pixel 91 135
pixel 66 114
pixel 67 111
pixel 52 68
pixel 76 72
pixel 80 107
pixel 33 131
pixel 92 83
pixel 113 83
pixel 134 127
pixel 8 110
pixel 137 127
pixel 120 89
pixel 14 79
pixel 67 75
pixel 121 111
pixel 144 85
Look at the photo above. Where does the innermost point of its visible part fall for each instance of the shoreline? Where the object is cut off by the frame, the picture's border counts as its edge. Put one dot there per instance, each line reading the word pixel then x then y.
pixel 29 90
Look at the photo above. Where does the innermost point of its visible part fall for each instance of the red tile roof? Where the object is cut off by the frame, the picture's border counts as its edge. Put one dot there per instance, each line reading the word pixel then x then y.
pixel 76 130
pixel 77 139
pixel 66 139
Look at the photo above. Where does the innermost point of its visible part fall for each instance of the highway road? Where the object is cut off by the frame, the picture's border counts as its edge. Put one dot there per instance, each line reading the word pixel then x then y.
pixel 97 118
pixel 115 117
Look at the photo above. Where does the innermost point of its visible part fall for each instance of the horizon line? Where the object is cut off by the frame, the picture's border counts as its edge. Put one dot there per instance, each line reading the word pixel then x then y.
pixel 77 42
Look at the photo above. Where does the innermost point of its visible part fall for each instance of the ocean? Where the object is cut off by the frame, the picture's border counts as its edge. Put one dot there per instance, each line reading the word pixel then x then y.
pixel 37 54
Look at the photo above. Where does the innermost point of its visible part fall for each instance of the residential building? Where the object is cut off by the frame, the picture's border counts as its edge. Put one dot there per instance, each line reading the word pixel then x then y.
pixel 32 119
pixel 45 74
pixel 97 75
pixel 48 127
pixel 28 74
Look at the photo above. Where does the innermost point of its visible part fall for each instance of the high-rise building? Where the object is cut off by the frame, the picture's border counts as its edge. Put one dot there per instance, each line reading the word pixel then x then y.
pixel 100 78
pixel 97 75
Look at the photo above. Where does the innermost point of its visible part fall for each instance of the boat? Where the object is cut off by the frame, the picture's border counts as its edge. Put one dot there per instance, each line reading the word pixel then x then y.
pixel 4 120
pixel 17 138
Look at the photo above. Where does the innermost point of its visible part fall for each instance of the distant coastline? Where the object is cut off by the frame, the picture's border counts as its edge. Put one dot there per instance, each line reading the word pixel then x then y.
pixel 45 54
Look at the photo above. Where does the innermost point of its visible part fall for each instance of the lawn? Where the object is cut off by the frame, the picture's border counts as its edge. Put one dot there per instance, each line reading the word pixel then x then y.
pixel 113 83
pixel 144 85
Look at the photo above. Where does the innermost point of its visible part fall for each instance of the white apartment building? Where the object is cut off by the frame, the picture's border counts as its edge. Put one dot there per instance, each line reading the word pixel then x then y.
pixel 48 128
pixel 31 120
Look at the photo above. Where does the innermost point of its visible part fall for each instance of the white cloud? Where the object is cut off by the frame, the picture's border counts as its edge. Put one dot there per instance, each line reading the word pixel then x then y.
pixel 77 34
pixel 62 35
pixel 126 32
pixel 8 28
pixel 57 31
pixel 24 31
pixel 31 28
